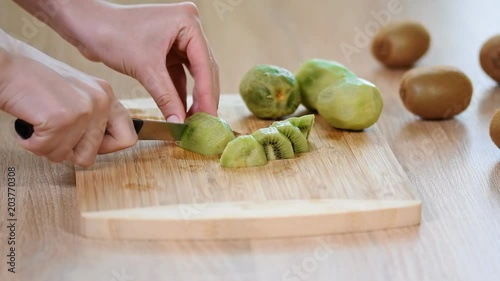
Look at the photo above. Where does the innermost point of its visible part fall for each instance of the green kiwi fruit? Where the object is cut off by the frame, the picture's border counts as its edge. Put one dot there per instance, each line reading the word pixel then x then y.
pixel 350 104
pixel 243 151
pixel 206 134
pixel 293 133
pixel 270 92
pixel 276 145
pixel 304 123
pixel 316 74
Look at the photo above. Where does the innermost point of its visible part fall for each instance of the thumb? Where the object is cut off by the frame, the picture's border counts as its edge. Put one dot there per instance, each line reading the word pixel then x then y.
pixel 160 87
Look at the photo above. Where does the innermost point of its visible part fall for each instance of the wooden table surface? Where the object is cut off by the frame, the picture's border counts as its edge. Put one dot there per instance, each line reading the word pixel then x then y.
pixel 453 164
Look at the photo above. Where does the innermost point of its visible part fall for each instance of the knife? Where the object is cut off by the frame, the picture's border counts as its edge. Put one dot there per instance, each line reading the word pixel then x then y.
pixel 145 129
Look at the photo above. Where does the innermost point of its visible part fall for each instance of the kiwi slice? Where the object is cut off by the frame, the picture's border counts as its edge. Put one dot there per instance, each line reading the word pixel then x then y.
pixel 304 123
pixel 206 134
pixel 243 151
pixel 294 135
pixel 276 145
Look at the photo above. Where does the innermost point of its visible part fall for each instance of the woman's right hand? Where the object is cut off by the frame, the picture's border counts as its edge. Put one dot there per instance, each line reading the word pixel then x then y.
pixel 70 111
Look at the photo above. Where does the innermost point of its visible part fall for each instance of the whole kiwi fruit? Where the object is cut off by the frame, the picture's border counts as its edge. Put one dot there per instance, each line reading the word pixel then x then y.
pixel 495 128
pixel 490 57
pixel 436 92
pixel 400 44
pixel 270 92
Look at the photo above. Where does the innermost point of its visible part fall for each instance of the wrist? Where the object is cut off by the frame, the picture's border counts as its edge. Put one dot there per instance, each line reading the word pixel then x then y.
pixel 75 20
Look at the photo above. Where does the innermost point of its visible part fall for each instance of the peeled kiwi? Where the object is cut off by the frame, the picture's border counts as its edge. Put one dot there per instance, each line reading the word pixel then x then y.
pixel 243 151
pixel 400 44
pixel 436 92
pixel 304 123
pixel 270 92
pixel 206 134
pixel 316 74
pixel 490 57
pixel 298 140
pixel 276 145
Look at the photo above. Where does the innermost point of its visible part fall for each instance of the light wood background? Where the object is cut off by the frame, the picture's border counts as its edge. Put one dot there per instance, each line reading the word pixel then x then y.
pixel 453 165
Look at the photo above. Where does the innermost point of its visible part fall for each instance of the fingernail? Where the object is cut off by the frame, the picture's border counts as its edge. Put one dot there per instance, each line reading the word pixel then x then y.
pixel 174 119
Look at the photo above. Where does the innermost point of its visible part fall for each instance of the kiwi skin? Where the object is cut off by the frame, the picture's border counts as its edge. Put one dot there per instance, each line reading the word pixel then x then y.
pixel 400 44
pixel 489 57
pixel 495 128
pixel 276 145
pixel 436 92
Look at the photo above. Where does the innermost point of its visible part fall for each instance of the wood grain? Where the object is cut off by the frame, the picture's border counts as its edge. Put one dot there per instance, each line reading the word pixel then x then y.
pixel 341 165
pixel 452 165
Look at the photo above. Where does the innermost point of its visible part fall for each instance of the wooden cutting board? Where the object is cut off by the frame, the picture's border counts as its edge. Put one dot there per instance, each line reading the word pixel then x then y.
pixel 350 181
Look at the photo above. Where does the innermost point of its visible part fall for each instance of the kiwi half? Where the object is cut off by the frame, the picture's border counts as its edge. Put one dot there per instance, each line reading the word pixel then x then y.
pixel 294 135
pixel 206 134
pixel 243 151
pixel 276 145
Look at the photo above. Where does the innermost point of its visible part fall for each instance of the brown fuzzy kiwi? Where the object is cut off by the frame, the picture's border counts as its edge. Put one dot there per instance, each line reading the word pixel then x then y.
pixel 490 57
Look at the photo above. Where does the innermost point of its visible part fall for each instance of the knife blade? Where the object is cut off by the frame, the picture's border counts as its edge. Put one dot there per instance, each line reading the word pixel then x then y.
pixel 158 130
pixel 145 129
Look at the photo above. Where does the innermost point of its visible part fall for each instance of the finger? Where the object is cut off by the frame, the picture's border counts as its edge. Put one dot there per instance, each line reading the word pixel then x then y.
pixel 52 144
pixel 85 152
pixel 204 70
pixel 120 132
pixel 178 76
pixel 159 85
pixel 60 154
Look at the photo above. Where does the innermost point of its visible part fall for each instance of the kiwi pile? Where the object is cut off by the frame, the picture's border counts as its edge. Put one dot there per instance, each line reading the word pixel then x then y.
pixel 433 92
pixel 282 140
pixel 324 86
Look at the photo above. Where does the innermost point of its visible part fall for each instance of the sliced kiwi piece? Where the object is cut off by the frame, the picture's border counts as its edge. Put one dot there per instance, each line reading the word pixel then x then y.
pixel 304 123
pixel 243 151
pixel 294 135
pixel 206 134
pixel 276 145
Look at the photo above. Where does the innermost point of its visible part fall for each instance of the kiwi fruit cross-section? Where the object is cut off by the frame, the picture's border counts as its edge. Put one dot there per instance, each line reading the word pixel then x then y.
pixel 298 140
pixel 304 123
pixel 276 145
pixel 206 134
pixel 243 151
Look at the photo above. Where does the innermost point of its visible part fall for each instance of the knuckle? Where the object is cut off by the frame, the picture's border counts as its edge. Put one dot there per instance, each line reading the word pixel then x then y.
pixel 105 86
pixel 84 161
pixel 129 141
pixel 165 101
pixel 190 8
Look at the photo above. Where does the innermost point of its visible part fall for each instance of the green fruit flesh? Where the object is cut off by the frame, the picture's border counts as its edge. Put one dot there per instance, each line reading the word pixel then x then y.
pixel 304 123
pixel 294 135
pixel 243 151
pixel 315 75
pixel 270 92
pixel 206 134
pixel 350 104
pixel 276 145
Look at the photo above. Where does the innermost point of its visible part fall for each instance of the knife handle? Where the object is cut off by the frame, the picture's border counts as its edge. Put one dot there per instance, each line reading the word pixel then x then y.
pixel 25 130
